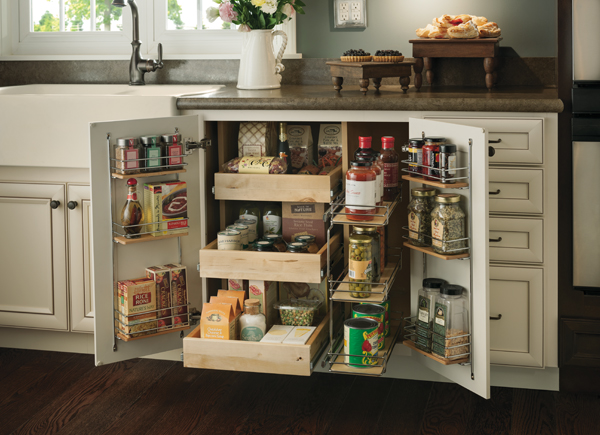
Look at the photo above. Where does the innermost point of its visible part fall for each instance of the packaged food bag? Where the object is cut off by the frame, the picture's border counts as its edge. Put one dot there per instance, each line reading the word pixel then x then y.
pixel 301 146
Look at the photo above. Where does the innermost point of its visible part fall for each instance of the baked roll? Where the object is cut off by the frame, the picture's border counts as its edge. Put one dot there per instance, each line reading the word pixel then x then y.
pixel 489 30
pixel 444 21
pixel 460 19
pixel 438 33
pixel 424 33
pixel 479 21
pixel 467 30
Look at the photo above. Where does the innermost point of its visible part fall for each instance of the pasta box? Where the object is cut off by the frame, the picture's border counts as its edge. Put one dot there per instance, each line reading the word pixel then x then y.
pixel 162 283
pixel 179 299
pixel 166 202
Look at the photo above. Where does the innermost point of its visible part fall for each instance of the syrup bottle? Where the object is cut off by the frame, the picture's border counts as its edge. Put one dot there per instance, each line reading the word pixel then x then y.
pixel 132 213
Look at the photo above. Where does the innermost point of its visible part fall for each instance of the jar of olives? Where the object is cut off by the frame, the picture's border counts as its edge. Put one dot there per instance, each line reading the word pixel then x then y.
pixel 420 207
pixel 360 266
pixel 375 247
pixel 448 224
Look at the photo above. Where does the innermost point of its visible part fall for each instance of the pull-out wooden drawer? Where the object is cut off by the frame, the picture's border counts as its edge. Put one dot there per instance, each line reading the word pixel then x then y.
pixel 516 190
pixel 516 240
pixel 516 316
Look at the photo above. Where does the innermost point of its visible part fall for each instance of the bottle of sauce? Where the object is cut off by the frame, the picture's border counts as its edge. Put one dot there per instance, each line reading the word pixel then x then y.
pixel 389 158
pixel 379 182
pixel 364 148
pixel 132 214
pixel 361 183
pixel 253 324
pixel 283 147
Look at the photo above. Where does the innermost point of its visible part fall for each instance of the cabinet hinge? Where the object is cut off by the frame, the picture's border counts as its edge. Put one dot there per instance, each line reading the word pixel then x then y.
pixel 191 145
pixel 213 190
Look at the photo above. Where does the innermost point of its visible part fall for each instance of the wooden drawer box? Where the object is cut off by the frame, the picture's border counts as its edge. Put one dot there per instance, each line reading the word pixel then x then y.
pixel 516 190
pixel 247 356
pixel 265 266
pixel 516 240
pixel 278 187
pixel 516 296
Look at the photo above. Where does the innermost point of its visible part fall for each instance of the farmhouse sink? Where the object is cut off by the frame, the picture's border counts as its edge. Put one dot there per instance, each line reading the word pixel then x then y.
pixel 48 125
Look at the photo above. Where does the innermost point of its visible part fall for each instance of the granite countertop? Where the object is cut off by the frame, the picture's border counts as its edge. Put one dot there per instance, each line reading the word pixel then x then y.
pixel 324 97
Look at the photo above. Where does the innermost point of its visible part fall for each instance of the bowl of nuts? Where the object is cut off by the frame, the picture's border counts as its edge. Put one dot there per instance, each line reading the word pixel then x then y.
pixel 297 312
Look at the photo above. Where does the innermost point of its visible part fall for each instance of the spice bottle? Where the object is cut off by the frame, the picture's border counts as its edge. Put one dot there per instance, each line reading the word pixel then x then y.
pixel 448 163
pixel 253 324
pixel 426 312
pixel 152 148
pixel 132 214
pixel 421 205
pixel 448 224
pixel 361 184
pixel 389 159
pixel 431 151
pixel 127 153
pixel 375 247
pixel 451 322
pixel 360 266
pixel 173 149
pixel 414 148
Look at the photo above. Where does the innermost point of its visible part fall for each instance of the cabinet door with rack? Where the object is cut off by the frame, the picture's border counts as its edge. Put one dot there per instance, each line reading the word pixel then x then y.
pixel 116 258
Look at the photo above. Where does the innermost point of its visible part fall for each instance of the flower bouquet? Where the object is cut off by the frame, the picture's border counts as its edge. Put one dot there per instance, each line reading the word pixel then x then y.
pixel 255 14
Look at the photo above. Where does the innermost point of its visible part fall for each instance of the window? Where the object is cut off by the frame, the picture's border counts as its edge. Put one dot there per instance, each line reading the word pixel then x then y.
pixel 95 29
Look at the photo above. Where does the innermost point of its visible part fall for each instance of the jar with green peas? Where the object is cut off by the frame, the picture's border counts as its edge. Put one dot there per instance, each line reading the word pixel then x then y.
pixel 360 266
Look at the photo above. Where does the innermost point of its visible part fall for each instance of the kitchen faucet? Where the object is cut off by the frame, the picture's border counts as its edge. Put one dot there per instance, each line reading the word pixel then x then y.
pixel 138 66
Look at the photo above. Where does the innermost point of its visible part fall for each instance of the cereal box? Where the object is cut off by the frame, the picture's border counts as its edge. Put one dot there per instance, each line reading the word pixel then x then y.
pixel 166 202
pixel 160 276
pixel 178 280
pixel 218 321
pixel 266 293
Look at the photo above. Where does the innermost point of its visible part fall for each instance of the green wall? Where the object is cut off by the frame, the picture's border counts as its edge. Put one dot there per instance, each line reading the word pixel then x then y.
pixel 528 26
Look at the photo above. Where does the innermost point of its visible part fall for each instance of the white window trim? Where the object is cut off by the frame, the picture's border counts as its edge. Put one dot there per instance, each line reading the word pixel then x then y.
pixel 17 42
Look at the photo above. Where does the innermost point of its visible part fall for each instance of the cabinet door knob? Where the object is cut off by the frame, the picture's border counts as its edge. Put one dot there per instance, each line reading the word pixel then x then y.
pixel 496 318
pixel 497 192
pixel 54 204
pixel 72 205
pixel 499 239
pixel 492 151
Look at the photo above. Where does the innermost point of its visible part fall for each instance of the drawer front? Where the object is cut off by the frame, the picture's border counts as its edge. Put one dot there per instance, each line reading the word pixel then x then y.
pixel 516 316
pixel 516 190
pixel 516 240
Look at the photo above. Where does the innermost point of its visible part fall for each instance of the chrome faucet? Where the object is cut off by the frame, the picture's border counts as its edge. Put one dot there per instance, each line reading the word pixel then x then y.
pixel 138 66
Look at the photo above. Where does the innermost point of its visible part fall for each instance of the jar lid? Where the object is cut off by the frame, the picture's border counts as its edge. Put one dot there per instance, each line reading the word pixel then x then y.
pixel 251 303
pixel 436 283
pixel 365 229
pixel 447 198
pixel 360 239
pixel 132 182
pixel 152 139
pixel 387 142
pixel 264 245
pixel 447 148
pixel 127 141
pixel 170 138
pixel 237 227
pixel 416 141
pixel 452 289
pixel 296 246
pixel 306 238
pixel 434 139
pixel 364 142
pixel 273 238
pixel 229 233
pixel 423 191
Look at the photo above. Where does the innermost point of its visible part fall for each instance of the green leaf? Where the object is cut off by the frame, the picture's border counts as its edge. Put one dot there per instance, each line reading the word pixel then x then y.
pixel 300 11
pixel 300 3
pixel 261 18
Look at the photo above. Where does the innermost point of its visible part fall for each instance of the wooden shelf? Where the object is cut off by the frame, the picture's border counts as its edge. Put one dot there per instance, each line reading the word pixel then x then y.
pixel 434 183
pixel 377 221
pixel 145 238
pixel 146 174
pixel 444 361
pixel 168 331
pixel 378 296
pixel 429 251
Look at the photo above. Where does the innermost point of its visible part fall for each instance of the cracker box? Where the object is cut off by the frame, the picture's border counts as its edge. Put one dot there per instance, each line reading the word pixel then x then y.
pixel 237 284
pixel 330 145
pixel 304 218
pixel 301 146
pixel 237 310
pixel 240 294
pixel 266 293
pixel 301 290
pixel 257 139
pixel 160 276
pixel 166 202
pixel 179 299
pixel 134 298
pixel 218 321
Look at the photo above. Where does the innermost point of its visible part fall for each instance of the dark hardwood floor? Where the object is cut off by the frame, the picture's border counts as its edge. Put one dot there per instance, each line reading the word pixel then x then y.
pixel 51 392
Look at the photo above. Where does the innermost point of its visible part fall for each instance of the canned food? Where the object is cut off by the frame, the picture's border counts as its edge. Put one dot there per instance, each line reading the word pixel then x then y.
pixel 375 312
pixel 229 240
pixel 360 342
pixel 385 305
pixel 243 229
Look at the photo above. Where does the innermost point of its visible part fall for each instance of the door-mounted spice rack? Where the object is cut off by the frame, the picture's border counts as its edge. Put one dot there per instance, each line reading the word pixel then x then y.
pixel 146 236
pixel 380 218
pixel 429 250
pixel 457 348
pixel 154 329
pixel 446 178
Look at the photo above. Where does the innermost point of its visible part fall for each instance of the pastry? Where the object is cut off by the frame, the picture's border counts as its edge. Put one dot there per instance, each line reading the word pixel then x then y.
pixel 439 33
pixel 459 19
pixel 424 33
pixel 467 30
pixel 356 56
pixel 444 21
pixel 489 30
pixel 388 56
pixel 479 21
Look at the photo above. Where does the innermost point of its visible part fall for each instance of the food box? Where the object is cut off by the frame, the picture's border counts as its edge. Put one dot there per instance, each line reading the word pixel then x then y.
pixel 166 202
pixel 178 279
pixel 237 284
pixel 218 321
pixel 330 145
pixel 277 334
pixel 134 298
pixel 257 139
pixel 301 290
pixel 296 312
pixel 237 309
pixel 266 293
pixel 240 294
pixel 301 145
pixel 300 218
pixel 299 335
pixel 162 283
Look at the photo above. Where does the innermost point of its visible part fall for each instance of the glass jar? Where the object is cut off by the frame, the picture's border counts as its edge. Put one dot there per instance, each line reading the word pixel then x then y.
pixel 278 242
pixel 448 163
pixel 297 248
pixel 448 224
pixel 253 324
pixel 426 312
pixel 375 247
pixel 378 180
pixel 127 152
pixel 271 218
pixel 422 203
pixel 451 322
pixel 264 246
pixel 152 148
pixel 361 185
pixel 389 160
pixel 431 151
pixel 250 213
pixel 414 148
pixel 172 148
pixel 311 244
pixel 360 266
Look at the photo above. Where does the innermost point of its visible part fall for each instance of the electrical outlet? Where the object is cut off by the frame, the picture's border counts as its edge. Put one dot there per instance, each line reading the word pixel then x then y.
pixel 356 6
pixel 350 14
pixel 356 15
pixel 344 16
pixel 344 7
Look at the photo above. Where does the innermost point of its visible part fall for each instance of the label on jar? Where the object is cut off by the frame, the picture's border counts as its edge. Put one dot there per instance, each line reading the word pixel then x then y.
pixel 360 193
pixel 390 174
pixel 152 152
pixel 175 150
pixel 255 165
pixel 252 228
pixel 379 193
pixel 251 333
pixel 132 154
pixel 424 309
pixel 271 224
pixel 439 329
pixel 360 270
pixel 413 225
pixel 437 232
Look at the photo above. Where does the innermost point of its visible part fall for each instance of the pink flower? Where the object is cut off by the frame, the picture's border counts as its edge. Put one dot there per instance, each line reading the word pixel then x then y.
pixel 288 9
pixel 226 12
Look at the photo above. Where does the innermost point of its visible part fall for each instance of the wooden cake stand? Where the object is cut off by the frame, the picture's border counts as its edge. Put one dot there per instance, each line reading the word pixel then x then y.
pixel 424 50
pixel 370 70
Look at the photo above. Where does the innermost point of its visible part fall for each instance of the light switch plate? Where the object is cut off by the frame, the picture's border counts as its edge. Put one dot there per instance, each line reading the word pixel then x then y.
pixel 350 14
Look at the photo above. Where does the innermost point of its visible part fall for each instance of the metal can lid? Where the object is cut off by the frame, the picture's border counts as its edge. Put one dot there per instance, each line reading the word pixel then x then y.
pixel 151 139
pixel 434 283
pixel 367 309
pixel 447 148
pixel 229 233
pixel 245 222
pixel 452 289
pixel 127 141
pixel 423 191
pixel 435 139
pixel 360 239
pixel 238 227
pixel 359 229
pixel 447 198
pixel 361 323
pixel 170 138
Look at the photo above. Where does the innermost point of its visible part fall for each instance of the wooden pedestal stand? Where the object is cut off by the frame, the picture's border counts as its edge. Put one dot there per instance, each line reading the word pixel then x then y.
pixel 371 70
pixel 424 50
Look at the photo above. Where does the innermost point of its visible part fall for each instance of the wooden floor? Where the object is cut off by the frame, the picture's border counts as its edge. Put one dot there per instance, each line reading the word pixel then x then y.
pixel 51 392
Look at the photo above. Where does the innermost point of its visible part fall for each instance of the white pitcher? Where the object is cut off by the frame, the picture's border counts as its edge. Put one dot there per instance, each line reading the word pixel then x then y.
pixel 259 69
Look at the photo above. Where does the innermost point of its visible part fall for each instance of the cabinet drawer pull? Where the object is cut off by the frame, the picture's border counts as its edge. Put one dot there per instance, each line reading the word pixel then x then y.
pixel 491 151
pixel 54 204
pixel 72 205
pixel 497 192
pixel 495 141
pixel 499 239
pixel 496 318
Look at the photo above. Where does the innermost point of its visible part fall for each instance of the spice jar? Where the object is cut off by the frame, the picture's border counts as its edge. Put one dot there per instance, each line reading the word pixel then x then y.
pixel 375 247
pixel 278 242
pixel 127 153
pixel 447 163
pixel 243 230
pixel 172 149
pixel 431 151
pixel 360 266
pixel 311 244
pixel 264 246
pixel 448 224
pixel 421 205
pixel 253 324
pixel 297 248
pixel 414 148
pixel 361 185
pixel 389 160
pixel 426 312
pixel 451 322
pixel 152 148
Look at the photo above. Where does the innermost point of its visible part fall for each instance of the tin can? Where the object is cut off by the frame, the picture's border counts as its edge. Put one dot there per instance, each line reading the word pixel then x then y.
pixel 385 305
pixel 360 340
pixel 375 312
pixel 243 229
pixel 229 240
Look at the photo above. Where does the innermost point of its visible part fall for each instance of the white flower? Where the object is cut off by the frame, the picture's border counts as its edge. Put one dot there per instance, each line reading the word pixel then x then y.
pixel 270 7
pixel 212 14
pixel 288 10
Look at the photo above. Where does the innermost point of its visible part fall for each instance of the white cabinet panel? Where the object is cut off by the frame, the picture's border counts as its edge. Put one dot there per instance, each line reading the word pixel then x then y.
pixel 516 240
pixel 516 190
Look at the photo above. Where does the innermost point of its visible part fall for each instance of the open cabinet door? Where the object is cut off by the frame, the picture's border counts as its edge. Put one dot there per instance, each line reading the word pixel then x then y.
pixel 113 262
pixel 472 274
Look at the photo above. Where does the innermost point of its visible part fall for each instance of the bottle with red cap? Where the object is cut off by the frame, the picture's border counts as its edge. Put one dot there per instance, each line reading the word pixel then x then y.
pixel 364 148
pixel 367 154
pixel 132 214
pixel 389 158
